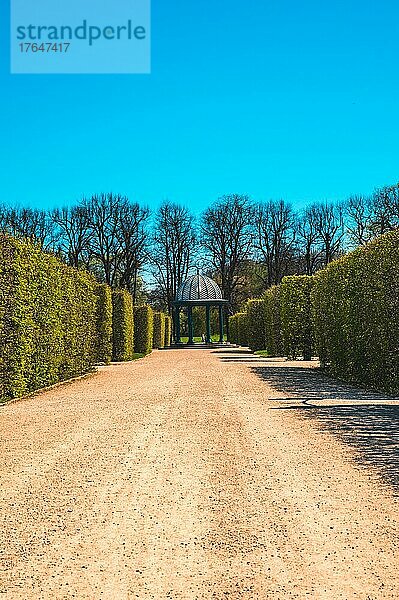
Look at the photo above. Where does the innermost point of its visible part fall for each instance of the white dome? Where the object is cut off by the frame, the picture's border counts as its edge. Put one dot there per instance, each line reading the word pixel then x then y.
pixel 198 287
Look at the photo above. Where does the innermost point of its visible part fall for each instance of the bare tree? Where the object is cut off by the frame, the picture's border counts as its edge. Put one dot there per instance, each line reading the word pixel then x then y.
pixel 133 241
pixel 227 235
pixel 275 238
pixel 329 220
pixel 385 207
pixel 309 239
pixel 368 217
pixel 118 240
pixel 359 219
pixel 75 233
pixel 104 216
pixel 31 224
pixel 174 246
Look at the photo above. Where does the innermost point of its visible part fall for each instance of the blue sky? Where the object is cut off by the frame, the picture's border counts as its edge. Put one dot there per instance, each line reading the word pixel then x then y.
pixel 280 98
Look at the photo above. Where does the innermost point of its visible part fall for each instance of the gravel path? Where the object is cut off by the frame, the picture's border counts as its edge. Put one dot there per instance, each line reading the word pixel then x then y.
pixel 179 477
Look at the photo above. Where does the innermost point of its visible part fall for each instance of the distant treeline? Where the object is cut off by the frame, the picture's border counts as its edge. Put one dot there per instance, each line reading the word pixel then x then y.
pixel 245 245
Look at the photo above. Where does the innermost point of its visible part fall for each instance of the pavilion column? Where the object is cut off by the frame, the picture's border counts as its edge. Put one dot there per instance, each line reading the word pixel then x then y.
pixel 227 324
pixel 208 324
pixel 190 325
pixel 177 317
pixel 221 332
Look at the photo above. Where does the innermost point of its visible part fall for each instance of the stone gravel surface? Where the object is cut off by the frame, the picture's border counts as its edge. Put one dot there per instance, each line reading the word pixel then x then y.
pixel 178 477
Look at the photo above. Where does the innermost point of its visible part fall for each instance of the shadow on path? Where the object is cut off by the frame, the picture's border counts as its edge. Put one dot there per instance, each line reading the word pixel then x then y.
pixel 372 429
pixel 311 384
pixel 366 420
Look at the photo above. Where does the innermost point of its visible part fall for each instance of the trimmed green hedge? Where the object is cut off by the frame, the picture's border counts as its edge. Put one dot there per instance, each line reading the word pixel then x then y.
pixel 274 338
pixel 143 326
pixel 47 319
pixel 233 329
pixel 158 335
pixel 256 324
pixel 349 311
pixel 104 324
pixel 296 316
pixel 168 331
pixel 356 315
pixel 238 329
pixel 240 324
pixel 122 326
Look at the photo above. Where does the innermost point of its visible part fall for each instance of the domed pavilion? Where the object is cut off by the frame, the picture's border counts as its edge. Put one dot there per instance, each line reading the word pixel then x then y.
pixel 199 290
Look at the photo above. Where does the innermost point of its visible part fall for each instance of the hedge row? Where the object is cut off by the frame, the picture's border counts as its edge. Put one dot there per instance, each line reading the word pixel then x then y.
pixel 57 322
pixel 143 327
pixel 238 329
pixel 158 335
pixel 168 331
pixel 48 315
pixel 104 324
pixel 233 329
pixel 162 330
pixel 256 323
pixel 347 314
pixel 259 324
pixel 274 337
pixel 280 321
pixel 296 316
pixel 355 303
pixel 122 326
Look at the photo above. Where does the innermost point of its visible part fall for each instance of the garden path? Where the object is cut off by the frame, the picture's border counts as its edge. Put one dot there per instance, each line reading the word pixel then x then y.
pixel 199 474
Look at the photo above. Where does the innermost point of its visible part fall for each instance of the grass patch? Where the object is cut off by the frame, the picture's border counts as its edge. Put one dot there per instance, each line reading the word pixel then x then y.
pixel 264 353
pixel 215 338
pixel 137 355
